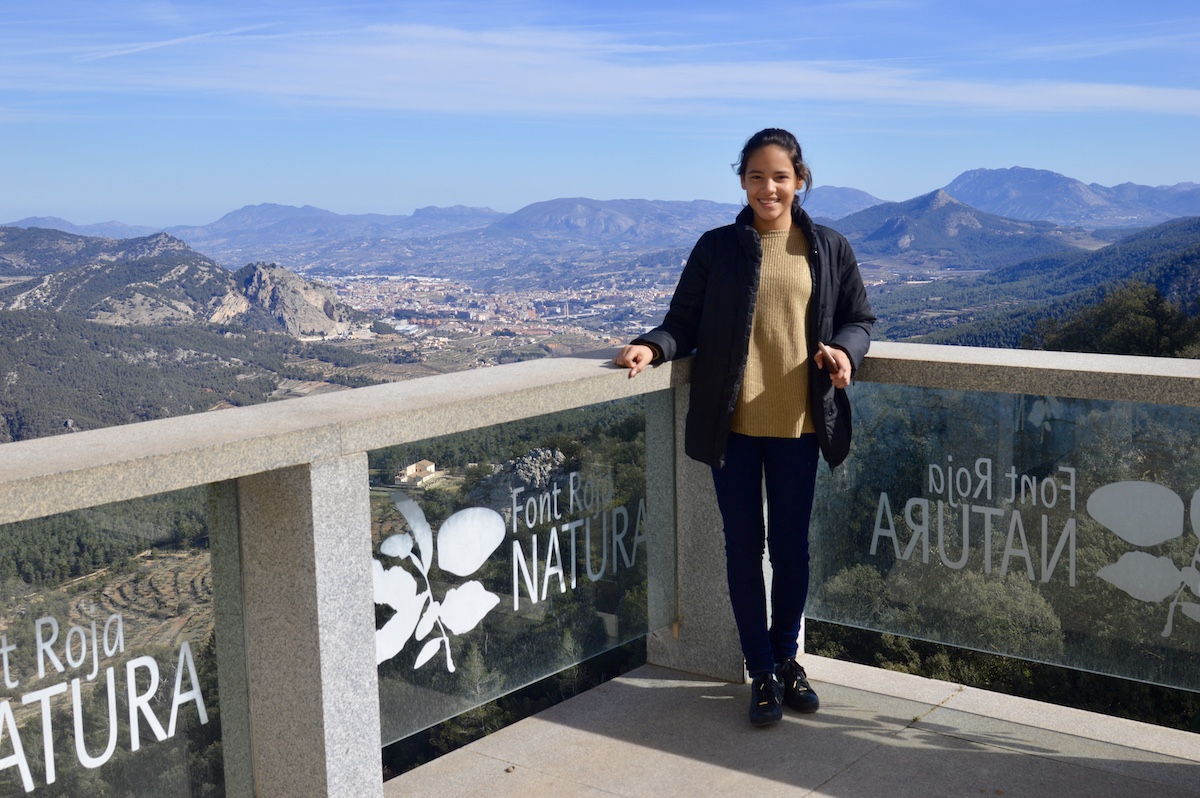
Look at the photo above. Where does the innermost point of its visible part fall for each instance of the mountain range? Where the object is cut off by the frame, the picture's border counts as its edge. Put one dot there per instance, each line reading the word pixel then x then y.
pixel 571 236
pixel 579 242
pixel 248 228
pixel 101 229
pixel 557 244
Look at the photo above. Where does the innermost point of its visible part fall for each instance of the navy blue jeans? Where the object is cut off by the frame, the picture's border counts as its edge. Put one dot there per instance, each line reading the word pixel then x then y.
pixel 789 466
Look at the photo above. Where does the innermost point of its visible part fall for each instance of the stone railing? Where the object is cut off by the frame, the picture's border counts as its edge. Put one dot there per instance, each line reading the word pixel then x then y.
pixel 290 523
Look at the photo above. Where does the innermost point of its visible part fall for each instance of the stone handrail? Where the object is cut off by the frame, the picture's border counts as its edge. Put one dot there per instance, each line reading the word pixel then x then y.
pixel 84 469
pixel 1171 381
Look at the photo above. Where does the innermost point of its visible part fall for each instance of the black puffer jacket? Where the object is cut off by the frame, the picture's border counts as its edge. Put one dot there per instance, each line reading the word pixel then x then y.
pixel 712 311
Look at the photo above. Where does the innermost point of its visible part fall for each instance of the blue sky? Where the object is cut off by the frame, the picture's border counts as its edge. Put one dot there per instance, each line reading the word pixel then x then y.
pixel 163 113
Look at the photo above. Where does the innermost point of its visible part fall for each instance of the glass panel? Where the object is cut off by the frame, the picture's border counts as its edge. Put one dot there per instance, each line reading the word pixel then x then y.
pixel 1058 530
pixel 508 553
pixel 106 608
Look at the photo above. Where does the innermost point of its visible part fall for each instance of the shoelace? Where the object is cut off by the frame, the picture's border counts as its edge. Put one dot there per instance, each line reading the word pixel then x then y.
pixel 766 695
pixel 793 677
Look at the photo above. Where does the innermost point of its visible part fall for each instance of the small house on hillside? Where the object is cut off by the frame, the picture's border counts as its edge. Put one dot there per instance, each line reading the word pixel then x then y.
pixel 417 474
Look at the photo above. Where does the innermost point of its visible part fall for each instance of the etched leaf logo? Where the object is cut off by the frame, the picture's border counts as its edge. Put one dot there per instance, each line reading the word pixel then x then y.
pixel 1141 513
pixel 1146 514
pixel 1143 576
pixel 464 543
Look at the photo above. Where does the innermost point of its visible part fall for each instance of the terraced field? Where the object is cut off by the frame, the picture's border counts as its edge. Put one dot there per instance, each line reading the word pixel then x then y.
pixel 168 598
pixel 164 598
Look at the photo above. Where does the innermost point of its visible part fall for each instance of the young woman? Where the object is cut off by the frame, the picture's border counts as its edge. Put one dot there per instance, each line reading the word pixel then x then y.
pixel 774 309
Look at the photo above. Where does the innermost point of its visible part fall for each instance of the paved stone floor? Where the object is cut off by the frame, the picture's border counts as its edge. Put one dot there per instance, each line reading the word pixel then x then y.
pixel 657 732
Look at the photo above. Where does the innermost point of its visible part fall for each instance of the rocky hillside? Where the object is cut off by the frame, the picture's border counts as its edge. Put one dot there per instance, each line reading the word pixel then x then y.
pixel 159 280
pixel 300 307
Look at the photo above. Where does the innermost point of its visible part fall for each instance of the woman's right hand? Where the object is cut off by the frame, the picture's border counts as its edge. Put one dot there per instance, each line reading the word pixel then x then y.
pixel 635 357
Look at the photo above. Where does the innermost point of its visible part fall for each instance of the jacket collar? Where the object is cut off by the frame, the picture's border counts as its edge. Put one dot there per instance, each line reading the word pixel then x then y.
pixel 800 218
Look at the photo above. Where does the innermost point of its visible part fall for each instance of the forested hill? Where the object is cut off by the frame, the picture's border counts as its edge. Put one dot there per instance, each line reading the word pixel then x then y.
pixel 60 374
pixel 1000 307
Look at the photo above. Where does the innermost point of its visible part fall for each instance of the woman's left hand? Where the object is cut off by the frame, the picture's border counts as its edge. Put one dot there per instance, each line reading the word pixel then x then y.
pixel 836 362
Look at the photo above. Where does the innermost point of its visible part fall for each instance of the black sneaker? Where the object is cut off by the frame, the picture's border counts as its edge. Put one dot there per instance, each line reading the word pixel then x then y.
pixel 797 693
pixel 765 693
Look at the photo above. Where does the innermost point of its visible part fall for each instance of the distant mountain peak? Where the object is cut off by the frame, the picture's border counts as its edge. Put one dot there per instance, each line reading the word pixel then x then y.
pixel 834 202
pixel 46 222
pixel 937 199
pixel 1039 194
pixel 939 228
pixel 268 213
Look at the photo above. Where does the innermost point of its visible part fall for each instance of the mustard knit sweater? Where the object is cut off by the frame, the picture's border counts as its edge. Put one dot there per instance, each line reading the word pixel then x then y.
pixel 774 397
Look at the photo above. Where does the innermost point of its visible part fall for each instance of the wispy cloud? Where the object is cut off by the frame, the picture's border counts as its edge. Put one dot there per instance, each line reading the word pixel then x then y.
pixel 1184 41
pixel 540 71
pixel 133 49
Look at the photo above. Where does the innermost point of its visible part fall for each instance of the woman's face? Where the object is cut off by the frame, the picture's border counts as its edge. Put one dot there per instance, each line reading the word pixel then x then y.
pixel 770 183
